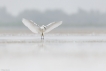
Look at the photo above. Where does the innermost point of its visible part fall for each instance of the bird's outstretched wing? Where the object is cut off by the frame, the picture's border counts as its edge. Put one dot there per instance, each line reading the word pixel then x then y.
pixel 31 25
pixel 52 25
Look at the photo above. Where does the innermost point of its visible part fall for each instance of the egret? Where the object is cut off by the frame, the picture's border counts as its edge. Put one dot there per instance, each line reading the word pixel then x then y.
pixel 40 30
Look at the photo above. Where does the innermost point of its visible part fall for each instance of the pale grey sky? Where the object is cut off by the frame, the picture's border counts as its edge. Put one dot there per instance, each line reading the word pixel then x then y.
pixel 68 6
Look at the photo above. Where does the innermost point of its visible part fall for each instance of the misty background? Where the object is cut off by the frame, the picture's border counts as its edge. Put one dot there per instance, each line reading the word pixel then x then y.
pixel 73 13
pixel 80 19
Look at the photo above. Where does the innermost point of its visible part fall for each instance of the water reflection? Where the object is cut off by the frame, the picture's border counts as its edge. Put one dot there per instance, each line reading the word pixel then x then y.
pixel 44 56
pixel 53 47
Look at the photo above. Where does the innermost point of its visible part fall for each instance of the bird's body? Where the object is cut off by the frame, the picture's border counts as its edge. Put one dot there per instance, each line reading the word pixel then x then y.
pixel 40 30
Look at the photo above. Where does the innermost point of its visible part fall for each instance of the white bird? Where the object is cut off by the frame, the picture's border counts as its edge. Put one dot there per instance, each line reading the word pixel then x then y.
pixel 40 30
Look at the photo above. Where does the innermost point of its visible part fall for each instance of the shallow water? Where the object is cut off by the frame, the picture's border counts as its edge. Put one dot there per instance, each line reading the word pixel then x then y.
pixel 55 53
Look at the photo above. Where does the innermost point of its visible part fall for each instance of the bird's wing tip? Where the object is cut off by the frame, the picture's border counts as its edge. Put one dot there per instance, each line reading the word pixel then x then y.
pixel 61 22
pixel 23 18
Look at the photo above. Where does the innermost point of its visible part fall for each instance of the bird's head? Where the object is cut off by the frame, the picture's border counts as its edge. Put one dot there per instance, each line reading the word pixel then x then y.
pixel 43 27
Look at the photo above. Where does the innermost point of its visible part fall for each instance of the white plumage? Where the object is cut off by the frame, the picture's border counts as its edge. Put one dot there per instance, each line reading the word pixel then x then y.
pixel 41 30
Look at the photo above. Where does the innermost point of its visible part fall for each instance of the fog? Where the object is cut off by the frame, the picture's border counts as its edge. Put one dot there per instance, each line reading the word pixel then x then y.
pixel 82 18
pixel 24 53
pixel 78 44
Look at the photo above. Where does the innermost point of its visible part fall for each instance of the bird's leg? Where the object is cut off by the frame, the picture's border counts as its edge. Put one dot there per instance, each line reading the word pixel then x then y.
pixel 42 36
